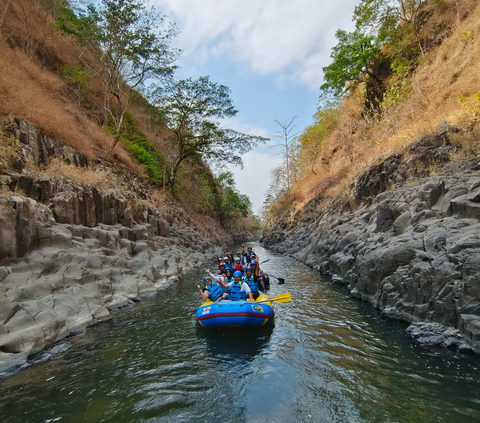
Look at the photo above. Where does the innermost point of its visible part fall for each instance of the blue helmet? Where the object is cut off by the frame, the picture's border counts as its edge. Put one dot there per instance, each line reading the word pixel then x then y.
pixel 237 274
pixel 248 269
pixel 207 278
pixel 253 262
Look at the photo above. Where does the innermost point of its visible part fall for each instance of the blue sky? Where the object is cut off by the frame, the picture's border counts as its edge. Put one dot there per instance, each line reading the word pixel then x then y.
pixel 270 53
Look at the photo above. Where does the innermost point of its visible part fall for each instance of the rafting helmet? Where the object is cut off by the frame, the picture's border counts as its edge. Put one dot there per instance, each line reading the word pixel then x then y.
pixel 237 274
pixel 253 262
pixel 228 269
pixel 248 269
pixel 207 278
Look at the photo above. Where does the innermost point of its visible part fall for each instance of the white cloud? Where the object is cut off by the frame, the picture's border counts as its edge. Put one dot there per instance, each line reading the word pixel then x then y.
pixel 237 124
pixel 254 178
pixel 289 38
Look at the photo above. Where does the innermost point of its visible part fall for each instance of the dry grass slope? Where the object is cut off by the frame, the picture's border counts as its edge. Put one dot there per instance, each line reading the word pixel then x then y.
pixel 445 74
pixel 32 58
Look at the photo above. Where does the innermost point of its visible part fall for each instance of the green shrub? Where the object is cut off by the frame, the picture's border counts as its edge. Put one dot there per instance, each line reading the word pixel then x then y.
pixel 78 77
pixel 142 150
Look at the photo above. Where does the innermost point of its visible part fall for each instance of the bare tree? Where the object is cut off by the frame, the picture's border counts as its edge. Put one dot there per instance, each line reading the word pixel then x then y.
pixel 287 138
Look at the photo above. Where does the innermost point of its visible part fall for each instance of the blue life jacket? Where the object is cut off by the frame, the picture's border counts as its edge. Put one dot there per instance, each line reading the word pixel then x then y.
pixel 235 292
pixel 215 290
pixel 251 283
pixel 229 279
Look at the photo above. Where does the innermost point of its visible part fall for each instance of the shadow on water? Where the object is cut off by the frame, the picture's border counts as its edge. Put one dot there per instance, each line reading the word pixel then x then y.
pixel 239 343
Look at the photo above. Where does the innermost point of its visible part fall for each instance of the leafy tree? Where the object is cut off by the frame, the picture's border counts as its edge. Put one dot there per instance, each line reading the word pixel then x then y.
pixel 191 109
pixel 378 18
pixel 394 21
pixel 230 204
pixel 352 62
pixel 129 44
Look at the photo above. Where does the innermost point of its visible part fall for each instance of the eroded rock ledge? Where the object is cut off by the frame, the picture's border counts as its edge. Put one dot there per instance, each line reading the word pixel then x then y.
pixel 70 253
pixel 412 251
pixel 76 275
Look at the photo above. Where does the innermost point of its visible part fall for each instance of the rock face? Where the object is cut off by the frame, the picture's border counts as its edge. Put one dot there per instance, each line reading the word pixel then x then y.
pixel 69 253
pixel 60 278
pixel 413 252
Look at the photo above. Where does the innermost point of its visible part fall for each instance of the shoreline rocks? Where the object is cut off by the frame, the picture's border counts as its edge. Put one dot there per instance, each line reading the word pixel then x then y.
pixel 59 279
pixel 71 253
pixel 413 251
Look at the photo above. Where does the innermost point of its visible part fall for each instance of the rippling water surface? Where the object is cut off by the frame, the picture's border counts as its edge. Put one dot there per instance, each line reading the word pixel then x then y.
pixel 328 358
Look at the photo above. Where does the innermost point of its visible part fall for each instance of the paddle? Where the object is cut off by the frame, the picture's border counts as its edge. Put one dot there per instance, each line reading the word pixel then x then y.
pixel 280 298
pixel 281 281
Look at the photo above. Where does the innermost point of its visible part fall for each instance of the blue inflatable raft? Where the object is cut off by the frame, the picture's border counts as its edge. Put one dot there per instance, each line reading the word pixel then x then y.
pixel 235 313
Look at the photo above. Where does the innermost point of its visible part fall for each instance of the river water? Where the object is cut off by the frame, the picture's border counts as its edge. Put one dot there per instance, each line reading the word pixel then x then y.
pixel 327 358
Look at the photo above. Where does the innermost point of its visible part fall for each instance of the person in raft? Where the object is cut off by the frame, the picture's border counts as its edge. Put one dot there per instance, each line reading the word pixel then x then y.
pixel 252 283
pixel 238 264
pixel 212 291
pixel 222 279
pixel 239 290
pixel 221 266
pixel 248 254
pixel 228 263
pixel 264 278
pixel 239 255
pixel 255 268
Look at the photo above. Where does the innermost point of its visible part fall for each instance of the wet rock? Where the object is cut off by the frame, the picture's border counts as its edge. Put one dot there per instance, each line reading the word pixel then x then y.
pixel 437 335
pixel 413 252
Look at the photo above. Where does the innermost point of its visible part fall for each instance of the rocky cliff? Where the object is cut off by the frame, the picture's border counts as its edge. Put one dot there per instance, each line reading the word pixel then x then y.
pixel 407 242
pixel 71 253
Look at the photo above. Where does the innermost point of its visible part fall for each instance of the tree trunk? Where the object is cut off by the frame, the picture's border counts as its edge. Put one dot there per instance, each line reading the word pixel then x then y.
pixel 118 131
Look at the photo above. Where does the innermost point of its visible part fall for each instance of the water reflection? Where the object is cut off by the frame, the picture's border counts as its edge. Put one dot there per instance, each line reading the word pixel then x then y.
pixel 239 343
pixel 327 359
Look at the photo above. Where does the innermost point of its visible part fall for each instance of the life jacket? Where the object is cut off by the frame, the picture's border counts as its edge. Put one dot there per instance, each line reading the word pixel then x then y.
pixel 251 283
pixel 215 290
pixel 229 279
pixel 238 266
pixel 235 292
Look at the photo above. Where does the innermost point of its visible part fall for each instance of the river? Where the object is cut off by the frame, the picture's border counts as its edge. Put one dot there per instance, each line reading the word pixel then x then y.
pixel 327 358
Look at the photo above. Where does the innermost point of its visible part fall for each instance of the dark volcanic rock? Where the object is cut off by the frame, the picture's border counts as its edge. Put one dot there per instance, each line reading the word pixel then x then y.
pixel 413 251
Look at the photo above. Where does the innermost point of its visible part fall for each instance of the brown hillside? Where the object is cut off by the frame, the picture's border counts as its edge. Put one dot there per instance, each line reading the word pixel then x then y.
pixel 33 86
pixel 443 87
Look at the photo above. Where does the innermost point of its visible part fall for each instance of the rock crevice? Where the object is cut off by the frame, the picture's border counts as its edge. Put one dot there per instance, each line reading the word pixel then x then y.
pixel 71 253
pixel 413 251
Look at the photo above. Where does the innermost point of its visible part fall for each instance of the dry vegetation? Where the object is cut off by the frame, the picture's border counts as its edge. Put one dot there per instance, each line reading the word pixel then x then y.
pixel 32 59
pixel 444 86
pixel 98 178
pixel 35 86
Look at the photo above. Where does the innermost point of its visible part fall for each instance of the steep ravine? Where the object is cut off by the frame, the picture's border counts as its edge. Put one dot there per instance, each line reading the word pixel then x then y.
pixel 71 253
pixel 410 245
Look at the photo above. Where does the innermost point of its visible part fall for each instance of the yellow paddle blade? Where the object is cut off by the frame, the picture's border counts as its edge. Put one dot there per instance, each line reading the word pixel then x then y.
pixel 281 298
